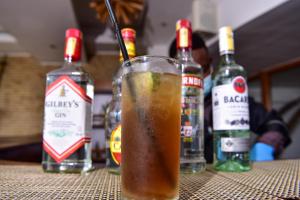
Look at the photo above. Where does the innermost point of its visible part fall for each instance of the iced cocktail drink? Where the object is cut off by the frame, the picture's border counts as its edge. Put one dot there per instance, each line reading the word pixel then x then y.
pixel 151 96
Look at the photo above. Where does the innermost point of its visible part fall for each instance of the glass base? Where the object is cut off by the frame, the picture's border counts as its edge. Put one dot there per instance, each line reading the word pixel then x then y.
pixel 190 168
pixel 141 193
pixel 150 198
pixel 114 170
pixel 67 167
pixel 232 166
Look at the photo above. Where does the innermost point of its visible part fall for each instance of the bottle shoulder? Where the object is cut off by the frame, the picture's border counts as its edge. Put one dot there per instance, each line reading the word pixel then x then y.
pixel 69 69
pixel 113 113
pixel 230 70
pixel 115 103
pixel 115 106
pixel 226 73
pixel 190 67
pixel 73 70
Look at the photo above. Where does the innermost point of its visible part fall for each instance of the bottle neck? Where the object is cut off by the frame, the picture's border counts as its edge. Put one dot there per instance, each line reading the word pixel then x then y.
pixel 116 90
pixel 72 50
pixel 227 59
pixel 184 43
pixel 184 54
pixel 130 47
pixel 117 80
pixel 70 59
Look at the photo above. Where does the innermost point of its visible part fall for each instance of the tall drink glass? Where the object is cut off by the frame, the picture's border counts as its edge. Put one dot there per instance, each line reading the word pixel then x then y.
pixel 151 98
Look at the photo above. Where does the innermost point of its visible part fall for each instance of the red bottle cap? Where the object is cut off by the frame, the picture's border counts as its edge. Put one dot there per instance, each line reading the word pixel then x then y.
pixel 73 44
pixel 183 23
pixel 73 32
pixel 128 33
pixel 184 34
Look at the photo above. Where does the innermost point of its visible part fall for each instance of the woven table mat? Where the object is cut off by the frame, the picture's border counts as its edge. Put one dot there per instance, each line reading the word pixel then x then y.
pixel 271 180
pixel 278 178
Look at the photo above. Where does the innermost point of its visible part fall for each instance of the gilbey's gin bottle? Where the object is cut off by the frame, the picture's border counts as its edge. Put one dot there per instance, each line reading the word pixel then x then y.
pixel 68 113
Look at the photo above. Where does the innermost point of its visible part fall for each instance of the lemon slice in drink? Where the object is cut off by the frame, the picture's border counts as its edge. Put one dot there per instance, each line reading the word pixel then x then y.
pixel 146 82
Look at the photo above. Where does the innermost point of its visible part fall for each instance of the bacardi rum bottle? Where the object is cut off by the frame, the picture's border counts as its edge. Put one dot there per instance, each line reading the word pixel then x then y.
pixel 113 114
pixel 230 110
pixel 192 121
pixel 68 113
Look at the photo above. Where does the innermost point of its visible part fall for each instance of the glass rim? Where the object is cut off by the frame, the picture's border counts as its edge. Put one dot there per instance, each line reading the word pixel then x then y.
pixel 147 57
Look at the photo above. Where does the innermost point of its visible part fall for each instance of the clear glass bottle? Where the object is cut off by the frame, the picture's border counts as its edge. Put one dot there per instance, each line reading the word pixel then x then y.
pixel 68 113
pixel 230 110
pixel 113 127
pixel 113 113
pixel 192 113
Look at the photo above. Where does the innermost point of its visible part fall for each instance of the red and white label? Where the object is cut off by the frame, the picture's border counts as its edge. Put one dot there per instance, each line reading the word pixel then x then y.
pixel 67 118
pixel 191 81
pixel 230 105
pixel 115 144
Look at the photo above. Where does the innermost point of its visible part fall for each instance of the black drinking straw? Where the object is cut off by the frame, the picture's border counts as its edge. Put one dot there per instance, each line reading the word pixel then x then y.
pixel 117 30
pixel 141 113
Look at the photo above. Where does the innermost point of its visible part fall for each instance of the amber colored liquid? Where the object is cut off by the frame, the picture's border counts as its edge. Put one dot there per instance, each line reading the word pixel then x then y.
pixel 150 136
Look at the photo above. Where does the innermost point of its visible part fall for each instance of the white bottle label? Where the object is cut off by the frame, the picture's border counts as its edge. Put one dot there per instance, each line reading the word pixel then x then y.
pixel 230 105
pixel 235 144
pixel 65 126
